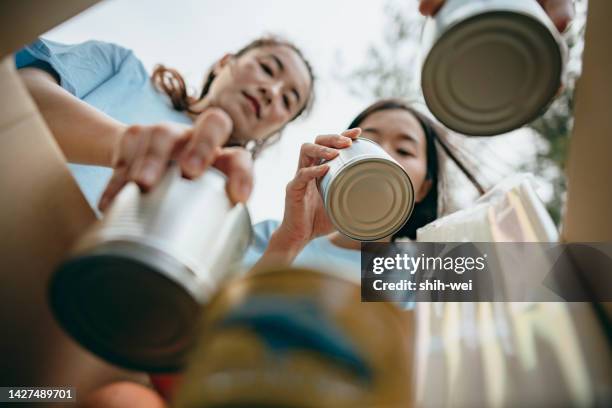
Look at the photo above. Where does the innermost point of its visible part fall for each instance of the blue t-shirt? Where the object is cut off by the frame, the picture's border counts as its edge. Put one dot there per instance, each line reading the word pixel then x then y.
pixel 108 77
pixel 319 254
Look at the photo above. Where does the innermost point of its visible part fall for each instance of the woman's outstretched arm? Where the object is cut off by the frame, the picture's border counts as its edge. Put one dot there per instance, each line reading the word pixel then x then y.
pixel 85 134
pixel 138 153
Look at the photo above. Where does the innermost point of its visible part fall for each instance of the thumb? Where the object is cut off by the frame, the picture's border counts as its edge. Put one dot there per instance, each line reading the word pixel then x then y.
pixel 561 12
pixel 352 133
pixel 430 7
pixel 237 164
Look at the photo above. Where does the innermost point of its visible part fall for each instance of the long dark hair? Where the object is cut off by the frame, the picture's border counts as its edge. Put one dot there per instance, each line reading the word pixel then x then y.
pixel 426 210
pixel 172 83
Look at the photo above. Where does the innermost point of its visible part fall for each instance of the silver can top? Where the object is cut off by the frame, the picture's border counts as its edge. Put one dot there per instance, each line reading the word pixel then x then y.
pixel 492 72
pixel 370 198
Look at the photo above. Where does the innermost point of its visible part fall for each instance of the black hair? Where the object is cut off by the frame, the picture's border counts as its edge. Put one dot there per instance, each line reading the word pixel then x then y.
pixel 426 210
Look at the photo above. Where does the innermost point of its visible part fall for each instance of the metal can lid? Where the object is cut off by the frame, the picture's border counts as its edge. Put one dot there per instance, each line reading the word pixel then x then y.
pixel 370 199
pixel 122 303
pixel 492 73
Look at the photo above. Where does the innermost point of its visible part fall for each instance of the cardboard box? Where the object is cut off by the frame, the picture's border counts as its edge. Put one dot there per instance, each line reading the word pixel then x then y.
pixel 42 212
pixel 589 168
pixel 22 21
pixel 588 216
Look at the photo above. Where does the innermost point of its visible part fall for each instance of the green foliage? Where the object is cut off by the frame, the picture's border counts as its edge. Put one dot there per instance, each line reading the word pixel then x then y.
pixel 390 68
pixel 555 125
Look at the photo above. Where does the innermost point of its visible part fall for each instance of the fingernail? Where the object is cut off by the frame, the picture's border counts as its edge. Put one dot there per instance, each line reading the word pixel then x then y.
pixel 329 151
pixel 239 193
pixel 147 174
pixel 194 164
pixel 346 140
pixel 245 191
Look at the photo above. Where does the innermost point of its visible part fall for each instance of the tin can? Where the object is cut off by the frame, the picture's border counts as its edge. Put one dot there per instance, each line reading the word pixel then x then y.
pixel 367 194
pixel 133 287
pixel 298 338
pixel 492 65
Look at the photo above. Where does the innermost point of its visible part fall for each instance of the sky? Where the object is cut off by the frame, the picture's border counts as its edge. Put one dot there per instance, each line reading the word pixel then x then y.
pixel 190 35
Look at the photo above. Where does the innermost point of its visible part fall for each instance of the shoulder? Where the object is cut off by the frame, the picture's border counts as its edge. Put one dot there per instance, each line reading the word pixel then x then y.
pixel 91 48
pixel 96 55
pixel 82 68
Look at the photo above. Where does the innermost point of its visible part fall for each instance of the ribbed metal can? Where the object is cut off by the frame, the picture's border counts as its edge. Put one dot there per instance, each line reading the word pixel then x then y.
pixel 367 194
pixel 491 66
pixel 299 338
pixel 133 287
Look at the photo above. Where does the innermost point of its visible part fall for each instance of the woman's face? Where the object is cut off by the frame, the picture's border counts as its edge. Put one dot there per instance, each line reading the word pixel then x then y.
pixel 401 135
pixel 261 90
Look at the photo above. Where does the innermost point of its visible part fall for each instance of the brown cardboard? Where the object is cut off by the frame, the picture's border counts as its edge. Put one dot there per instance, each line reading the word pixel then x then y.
pixel 42 212
pixel 22 21
pixel 588 216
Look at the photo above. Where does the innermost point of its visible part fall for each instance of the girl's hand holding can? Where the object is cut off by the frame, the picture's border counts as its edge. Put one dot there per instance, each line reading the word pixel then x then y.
pixel 305 217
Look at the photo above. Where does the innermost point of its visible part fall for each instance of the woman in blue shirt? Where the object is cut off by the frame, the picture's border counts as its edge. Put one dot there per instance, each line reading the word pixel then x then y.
pixel 306 237
pixel 108 112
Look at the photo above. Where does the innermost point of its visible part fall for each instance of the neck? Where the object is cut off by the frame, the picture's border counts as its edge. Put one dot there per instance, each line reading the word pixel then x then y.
pixel 345 242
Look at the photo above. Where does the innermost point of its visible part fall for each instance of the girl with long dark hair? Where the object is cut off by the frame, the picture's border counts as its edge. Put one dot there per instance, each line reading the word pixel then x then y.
pixel 306 236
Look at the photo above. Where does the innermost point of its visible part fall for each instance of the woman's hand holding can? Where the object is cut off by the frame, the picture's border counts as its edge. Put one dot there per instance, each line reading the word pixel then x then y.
pixel 561 12
pixel 144 153
pixel 305 217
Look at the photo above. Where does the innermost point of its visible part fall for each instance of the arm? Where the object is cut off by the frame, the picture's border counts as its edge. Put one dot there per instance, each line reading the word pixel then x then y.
pixel 137 153
pixel 280 252
pixel 84 134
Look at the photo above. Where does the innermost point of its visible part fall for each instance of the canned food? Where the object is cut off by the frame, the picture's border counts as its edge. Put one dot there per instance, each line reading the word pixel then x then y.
pixel 298 338
pixel 492 65
pixel 133 287
pixel 367 194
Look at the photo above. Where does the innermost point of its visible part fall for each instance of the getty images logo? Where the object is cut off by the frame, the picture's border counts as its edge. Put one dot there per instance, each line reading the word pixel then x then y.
pixel 413 264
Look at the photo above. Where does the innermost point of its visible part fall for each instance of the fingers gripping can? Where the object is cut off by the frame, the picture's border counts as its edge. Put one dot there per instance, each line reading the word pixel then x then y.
pixel 367 194
pixel 133 287
pixel 492 65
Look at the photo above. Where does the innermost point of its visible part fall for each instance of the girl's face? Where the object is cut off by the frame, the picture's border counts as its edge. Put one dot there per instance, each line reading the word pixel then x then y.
pixel 401 135
pixel 262 90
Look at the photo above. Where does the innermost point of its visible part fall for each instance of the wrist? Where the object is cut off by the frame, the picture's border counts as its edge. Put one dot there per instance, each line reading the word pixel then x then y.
pixel 113 143
pixel 281 251
pixel 284 246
